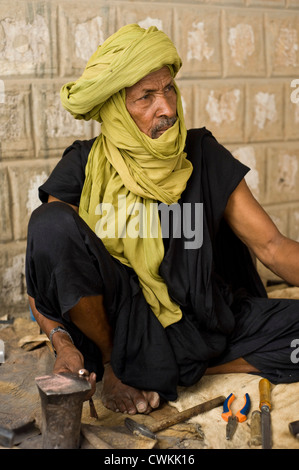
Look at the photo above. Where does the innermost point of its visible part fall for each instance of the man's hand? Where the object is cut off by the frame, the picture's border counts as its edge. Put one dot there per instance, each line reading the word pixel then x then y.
pixel 70 359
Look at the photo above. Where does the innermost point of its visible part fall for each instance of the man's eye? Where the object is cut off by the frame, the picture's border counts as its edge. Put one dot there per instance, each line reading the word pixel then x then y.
pixel 145 97
pixel 170 88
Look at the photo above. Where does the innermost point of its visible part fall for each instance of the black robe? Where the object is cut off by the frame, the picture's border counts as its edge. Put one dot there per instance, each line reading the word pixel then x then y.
pixel 226 312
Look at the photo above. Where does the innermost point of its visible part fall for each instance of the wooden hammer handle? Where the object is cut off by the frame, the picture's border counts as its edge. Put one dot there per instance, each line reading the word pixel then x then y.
pixel 187 414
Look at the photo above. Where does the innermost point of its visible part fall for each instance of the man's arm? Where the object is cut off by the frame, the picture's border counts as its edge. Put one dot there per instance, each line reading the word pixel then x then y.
pixel 255 228
pixel 69 358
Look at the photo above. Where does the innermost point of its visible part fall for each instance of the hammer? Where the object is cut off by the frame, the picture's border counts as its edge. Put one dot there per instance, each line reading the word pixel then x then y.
pixel 140 429
pixel 62 397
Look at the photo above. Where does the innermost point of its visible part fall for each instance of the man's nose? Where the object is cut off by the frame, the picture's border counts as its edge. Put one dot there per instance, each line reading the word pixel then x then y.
pixel 165 106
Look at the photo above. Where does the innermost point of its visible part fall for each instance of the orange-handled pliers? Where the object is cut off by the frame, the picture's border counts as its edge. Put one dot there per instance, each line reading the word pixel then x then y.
pixel 240 416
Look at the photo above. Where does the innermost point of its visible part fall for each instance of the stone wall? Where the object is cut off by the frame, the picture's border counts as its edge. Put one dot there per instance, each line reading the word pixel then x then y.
pixel 240 79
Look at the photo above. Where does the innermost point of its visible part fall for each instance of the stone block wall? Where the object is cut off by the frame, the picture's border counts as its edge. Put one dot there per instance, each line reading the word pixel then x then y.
pixel 240 79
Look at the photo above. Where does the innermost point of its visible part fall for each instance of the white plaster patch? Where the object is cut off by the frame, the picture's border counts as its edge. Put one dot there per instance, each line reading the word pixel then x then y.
pixel 295 93
pixel 32 193
pixel 246 155
pixel 13 281
pixel 26 45
pixel 148 22
pixel 264 109
pixel 241 42
pixel 12 117
pixel 59 122
pixel 2 92
pixel 198 47
pixel 88 36
pixel 286 47
pixel 223 108
pixel 287 172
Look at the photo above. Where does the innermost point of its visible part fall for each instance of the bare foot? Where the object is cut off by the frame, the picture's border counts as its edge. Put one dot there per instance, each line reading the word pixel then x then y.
pixel 117 396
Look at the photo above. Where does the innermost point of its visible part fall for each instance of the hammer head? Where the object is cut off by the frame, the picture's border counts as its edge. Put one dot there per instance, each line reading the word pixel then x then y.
pixel 62 397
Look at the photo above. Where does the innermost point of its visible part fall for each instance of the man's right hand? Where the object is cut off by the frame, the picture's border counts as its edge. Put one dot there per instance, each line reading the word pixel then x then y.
pixel 70 359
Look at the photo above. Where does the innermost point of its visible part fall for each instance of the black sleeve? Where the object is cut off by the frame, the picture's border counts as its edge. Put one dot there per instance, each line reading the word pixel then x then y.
pixel 216 173
pixel 67 179
pixel 222 172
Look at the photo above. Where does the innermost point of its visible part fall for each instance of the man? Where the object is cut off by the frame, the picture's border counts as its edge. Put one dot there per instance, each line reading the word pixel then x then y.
pixel 128 294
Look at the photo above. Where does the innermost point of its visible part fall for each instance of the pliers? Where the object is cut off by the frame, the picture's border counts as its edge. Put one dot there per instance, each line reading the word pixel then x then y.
pixel 240 416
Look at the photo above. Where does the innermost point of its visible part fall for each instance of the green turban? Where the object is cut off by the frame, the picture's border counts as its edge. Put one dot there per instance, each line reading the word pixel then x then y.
pixel 127 172
pixel 121 61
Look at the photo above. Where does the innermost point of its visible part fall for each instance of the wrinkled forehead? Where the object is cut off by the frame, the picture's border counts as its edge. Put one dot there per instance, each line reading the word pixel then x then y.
pixel 152 82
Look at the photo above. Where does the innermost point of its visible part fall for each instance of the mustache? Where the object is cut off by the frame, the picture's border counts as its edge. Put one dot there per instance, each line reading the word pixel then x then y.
pixel 165 122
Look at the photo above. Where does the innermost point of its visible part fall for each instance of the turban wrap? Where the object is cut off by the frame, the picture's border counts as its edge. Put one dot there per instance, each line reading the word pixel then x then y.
pixel 127 172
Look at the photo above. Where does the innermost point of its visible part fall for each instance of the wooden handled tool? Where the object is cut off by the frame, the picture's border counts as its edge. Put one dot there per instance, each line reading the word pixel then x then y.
pixel 265 393
pixel 265 407
pixel 149 431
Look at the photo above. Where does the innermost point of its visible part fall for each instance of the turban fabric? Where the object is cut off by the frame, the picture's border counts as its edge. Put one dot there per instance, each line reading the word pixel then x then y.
pixel 121 61
pixel 127 172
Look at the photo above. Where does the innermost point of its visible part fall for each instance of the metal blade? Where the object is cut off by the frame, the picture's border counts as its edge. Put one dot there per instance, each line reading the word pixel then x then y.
pixel 12 437
pixel 231 427
pixel 139 429
pixel 266 427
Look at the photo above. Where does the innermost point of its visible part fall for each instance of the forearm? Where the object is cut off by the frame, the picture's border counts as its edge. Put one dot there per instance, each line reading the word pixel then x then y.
pixel 89 316
pixel 285 261
pixel 45 323
pixel 59 340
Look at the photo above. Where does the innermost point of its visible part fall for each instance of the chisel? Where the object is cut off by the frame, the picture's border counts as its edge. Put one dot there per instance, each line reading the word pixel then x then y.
pixel 265 407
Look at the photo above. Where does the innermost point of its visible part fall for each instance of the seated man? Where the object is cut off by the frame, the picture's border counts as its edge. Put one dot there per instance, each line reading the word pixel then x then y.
pixel 138 261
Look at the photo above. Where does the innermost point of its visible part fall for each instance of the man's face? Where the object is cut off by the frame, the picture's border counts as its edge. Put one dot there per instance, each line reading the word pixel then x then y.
pixel 151 103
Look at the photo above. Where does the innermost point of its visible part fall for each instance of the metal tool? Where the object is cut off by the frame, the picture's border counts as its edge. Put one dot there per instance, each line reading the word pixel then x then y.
pixel 255 429
pixel 294 428
pixel 62 397
pixel 150 431
pixel 92 409
pixel 239 417
pixel 265 407
pixel 13 437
